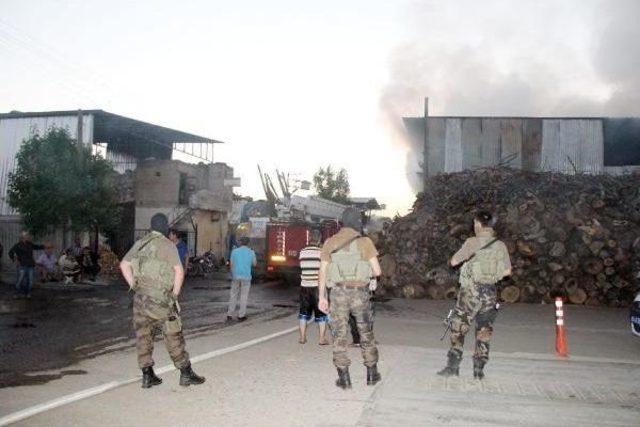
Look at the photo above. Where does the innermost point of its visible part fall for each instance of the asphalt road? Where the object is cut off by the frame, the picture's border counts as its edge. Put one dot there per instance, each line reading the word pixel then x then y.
pixel 258 374
pixel 63 325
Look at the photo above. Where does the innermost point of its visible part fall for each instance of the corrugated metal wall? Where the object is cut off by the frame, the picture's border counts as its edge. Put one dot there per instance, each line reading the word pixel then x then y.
pixel 563 145
pixel 453 160
pixel 571 146
pixel 14 130
pixel 122 162
pixel 434 151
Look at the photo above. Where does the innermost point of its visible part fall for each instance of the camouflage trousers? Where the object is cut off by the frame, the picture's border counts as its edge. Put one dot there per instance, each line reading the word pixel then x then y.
pixel 149 316
pixel 476 302
pixel 346 300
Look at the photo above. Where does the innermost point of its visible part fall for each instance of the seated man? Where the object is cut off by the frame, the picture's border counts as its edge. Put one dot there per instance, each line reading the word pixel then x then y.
pixel 47 264
pixel 70 267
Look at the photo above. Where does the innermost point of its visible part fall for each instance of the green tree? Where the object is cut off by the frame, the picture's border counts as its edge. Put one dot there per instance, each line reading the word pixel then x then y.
pixel 332 185
pixel 60 184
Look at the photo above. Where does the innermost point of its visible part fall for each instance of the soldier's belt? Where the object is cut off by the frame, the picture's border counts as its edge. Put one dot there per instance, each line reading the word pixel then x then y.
pixel 152 292
pixel 351 284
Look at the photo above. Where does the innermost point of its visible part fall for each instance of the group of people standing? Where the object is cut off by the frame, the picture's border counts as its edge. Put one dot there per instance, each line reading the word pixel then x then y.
pixel 328 294
pixel 337 281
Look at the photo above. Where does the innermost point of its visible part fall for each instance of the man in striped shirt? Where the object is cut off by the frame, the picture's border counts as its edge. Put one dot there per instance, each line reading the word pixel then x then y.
pixel 310 266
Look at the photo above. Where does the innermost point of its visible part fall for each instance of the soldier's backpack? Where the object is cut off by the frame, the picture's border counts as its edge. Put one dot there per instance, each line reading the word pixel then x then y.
pixel 347 264
pixel 485 265
pixel 152 274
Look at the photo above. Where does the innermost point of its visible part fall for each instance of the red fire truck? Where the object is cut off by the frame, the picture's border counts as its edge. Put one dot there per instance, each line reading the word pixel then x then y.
pixel 285 240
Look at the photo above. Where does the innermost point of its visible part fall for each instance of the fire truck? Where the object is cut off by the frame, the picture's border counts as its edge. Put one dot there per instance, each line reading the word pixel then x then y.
pixel 290 224
pixel 285 240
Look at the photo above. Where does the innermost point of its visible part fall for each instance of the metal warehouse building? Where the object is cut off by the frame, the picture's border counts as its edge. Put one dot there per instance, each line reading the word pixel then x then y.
pixel 563 144
pixel 164 184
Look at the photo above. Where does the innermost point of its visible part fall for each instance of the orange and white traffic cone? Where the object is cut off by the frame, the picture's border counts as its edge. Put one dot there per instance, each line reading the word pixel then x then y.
pixel 561 339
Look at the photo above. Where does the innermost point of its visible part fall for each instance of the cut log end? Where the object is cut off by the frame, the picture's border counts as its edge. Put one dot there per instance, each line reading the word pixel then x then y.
pixel 577 296
pixel 510 294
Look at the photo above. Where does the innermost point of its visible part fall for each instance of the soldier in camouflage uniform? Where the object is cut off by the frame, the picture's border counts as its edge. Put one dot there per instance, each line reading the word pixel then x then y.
pixel 153 270
pixel 348 262
pixel 486 262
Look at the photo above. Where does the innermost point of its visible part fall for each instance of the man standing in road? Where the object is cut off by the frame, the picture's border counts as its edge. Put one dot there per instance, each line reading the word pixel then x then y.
pixel 22 254
pixel 348 263
pixel 152 269
pixel 241 261
pixel 310 266
pixel 486 262
pixel 181 246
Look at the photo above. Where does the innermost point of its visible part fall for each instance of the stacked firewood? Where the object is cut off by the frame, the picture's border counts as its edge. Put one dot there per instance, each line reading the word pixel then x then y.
pixel 109 262
pixel 576 236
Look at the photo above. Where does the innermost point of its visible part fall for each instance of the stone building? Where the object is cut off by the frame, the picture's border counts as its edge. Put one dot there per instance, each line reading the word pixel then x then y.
pixel 196 199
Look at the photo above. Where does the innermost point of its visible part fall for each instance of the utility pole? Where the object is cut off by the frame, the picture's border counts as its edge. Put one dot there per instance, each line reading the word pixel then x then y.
pixel 425 146
pixel 80 130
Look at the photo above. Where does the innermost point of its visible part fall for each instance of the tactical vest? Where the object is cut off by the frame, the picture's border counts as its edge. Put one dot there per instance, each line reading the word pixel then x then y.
pixel 153 276
pixel 486 267
pixel 347 265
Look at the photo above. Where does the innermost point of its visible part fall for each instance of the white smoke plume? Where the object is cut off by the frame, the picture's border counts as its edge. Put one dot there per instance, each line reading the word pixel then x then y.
pixel 514 58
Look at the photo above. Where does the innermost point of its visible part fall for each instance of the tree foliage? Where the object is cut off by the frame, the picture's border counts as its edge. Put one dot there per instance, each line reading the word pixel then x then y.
pixel 58 183
pixel 332 185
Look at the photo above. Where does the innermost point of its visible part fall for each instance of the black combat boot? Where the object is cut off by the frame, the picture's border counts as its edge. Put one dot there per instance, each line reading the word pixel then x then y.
pixel 373 376
pixel 453 366
pixel 188 377
pixel 344 379
pixel 478 368
pixel 149 378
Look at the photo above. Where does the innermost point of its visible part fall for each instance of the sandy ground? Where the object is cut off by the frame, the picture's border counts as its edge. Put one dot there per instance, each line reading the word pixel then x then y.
pixel 280 382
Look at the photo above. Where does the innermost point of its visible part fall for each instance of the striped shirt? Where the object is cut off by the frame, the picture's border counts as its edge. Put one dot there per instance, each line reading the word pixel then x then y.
pixel 310 266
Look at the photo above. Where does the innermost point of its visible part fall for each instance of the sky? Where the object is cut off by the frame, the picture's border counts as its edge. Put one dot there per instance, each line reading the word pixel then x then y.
pixel 297 85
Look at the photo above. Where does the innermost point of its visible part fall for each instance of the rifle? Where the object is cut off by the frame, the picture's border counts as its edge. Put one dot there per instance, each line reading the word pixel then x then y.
pixel 447 321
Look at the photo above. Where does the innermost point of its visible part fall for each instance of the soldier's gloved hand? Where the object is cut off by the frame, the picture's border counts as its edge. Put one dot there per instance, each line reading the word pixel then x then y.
pixel 373 284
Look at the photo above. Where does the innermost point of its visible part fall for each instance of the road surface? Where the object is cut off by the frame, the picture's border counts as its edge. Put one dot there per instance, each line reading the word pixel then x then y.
pixel 258 374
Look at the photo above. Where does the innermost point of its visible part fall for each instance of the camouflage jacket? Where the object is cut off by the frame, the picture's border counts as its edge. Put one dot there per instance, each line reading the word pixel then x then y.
pixel 153 258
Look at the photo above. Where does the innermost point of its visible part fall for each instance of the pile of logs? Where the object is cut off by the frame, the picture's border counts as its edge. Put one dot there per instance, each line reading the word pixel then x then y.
pixel 577 236
pixel 109 262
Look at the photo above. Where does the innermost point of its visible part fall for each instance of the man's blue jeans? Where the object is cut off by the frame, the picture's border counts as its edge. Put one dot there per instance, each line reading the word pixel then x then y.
pixel 24 274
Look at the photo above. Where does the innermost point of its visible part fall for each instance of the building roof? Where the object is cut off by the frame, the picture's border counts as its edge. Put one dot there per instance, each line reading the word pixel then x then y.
pixel 513 117
pixel 109 126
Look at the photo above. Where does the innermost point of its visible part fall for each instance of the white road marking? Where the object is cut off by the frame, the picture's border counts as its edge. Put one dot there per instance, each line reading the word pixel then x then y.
pixel 94 391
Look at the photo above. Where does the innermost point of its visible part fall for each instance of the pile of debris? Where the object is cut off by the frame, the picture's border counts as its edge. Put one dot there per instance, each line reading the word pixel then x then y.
pixel 573 235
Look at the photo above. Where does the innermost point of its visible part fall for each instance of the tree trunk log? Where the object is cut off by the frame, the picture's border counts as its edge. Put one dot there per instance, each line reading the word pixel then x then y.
pixel 577 296
pixel 510 294
pixel 435 292
pixel 593 266
pixel 451 292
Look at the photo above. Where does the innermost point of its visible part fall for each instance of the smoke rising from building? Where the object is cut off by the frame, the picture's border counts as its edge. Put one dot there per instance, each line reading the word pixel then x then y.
pixel 525 58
